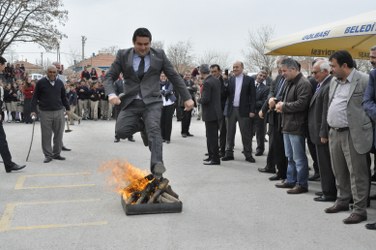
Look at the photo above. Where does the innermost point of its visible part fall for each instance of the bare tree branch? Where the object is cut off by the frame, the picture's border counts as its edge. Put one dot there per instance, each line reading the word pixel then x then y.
pixel 180 56
pixel 255 57
pixel 214 57
pixel 33 21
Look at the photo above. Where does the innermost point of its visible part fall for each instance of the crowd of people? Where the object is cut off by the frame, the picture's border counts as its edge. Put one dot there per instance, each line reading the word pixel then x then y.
pixel 332 111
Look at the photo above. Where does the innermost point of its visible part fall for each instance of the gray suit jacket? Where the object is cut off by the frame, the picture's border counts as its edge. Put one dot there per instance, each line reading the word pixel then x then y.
pixel 359 123
pixel 318 111
pixel 149 85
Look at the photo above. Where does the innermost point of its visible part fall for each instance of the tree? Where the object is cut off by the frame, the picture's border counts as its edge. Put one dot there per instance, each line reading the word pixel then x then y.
pixel 110 50
pixel 157 44
pixel 31 21
pixel 255 57
pixel 214 57
pixel 180 56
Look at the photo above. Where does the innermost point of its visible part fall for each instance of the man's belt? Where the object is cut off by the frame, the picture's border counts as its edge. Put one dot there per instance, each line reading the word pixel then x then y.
pixel 341 129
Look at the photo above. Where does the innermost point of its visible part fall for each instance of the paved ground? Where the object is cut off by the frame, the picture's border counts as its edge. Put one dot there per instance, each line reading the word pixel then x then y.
pixel 68 205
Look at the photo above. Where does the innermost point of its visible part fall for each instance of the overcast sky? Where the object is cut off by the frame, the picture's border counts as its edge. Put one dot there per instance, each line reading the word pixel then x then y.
pixel 217 25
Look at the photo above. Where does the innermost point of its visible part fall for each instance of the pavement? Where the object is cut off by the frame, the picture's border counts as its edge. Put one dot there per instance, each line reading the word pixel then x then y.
pixel 69 204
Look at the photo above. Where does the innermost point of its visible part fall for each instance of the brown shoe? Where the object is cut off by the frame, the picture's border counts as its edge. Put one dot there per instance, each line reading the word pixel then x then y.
pixel 335 209
pixel 355 218
pixel 297 190
pixel 285 184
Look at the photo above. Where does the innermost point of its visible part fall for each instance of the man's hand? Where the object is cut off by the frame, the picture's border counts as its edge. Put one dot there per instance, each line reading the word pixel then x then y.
pixel 114 100
pixel 261 114
pixel 251 115
pixel 324 140
pixel 189 105
pixel 278 107
pixel 271 102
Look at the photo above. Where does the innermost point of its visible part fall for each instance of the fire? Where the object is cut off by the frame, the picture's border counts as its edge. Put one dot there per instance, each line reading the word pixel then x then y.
pixel 126 178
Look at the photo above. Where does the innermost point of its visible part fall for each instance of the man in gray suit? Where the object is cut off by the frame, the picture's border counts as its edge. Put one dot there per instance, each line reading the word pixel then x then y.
pixel 350 137
pixel 142 103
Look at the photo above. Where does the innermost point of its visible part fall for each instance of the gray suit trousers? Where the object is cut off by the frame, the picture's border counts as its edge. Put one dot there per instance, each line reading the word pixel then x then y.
pixel 245 125
pixel 52 124
pixel 128 123
pixel 350 170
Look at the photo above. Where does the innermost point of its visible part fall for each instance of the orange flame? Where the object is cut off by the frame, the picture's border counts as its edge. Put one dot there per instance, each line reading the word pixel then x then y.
pixel 126 178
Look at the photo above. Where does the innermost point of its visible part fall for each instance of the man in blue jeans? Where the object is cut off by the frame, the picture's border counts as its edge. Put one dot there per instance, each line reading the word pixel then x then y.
pixel 294 105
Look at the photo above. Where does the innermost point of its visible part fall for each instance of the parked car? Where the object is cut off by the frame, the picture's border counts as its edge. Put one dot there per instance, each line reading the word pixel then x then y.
pixel 36 76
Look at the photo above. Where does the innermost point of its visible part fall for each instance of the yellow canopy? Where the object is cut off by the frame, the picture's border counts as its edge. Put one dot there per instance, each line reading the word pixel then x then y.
pixel 356 35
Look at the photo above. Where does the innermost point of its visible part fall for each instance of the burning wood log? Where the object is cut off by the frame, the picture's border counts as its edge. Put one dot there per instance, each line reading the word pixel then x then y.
pixel 146 192
pixel 171 192
pixel 161 188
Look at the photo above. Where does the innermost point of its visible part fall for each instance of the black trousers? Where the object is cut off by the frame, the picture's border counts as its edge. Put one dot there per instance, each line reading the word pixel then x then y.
pixel 4 149
pixel 259 129
pixel 212 128
pixel 328 181
pixel 186 121
pixel 166 121
pixel 276 155
pixel 222 136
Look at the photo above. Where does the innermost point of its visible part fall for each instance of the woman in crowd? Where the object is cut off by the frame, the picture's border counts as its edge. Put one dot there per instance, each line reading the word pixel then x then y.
pixel 28 91
pixel 168 107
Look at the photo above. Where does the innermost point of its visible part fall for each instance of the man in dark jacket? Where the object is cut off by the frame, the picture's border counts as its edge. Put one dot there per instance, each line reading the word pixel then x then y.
pixel 241 100
pixel 50 96
pixel 294 108
pixel 211 112
pixel 4 150
pixel 262 92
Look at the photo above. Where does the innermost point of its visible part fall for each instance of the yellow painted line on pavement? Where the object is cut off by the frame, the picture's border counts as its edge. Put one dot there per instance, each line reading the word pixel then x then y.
pixel 5 221
pixel 7 217
pixel 21 181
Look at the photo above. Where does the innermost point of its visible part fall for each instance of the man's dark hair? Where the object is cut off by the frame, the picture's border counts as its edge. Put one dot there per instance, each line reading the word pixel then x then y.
pixel 2 60
pixel 343 56
pixel 215 65
pixel 142 32
pixel 290 63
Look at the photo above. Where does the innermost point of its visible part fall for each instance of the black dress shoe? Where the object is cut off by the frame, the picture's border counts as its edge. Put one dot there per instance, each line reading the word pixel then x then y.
pixel 266 170
pixel 59 157
pixel 184 135
pixel 131 139
pixel 207 159
pixel 259 153
pixel 314 177
pixel 373 177
pixel 371 226
pixel 212 163
pixel 250 159
pixel 189 134
pixel 116 140
pixel 355 218
pixel 65 149
pixel 372 197
pixel 47 160
pixel 275 177
pixel 325 198
pixel 14 167
pixel 319 193
pixel 228 158
pixel 336 208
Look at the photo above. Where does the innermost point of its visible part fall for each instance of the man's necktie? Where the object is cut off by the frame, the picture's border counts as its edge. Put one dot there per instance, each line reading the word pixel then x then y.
pixel 141 68
pixel 318 87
